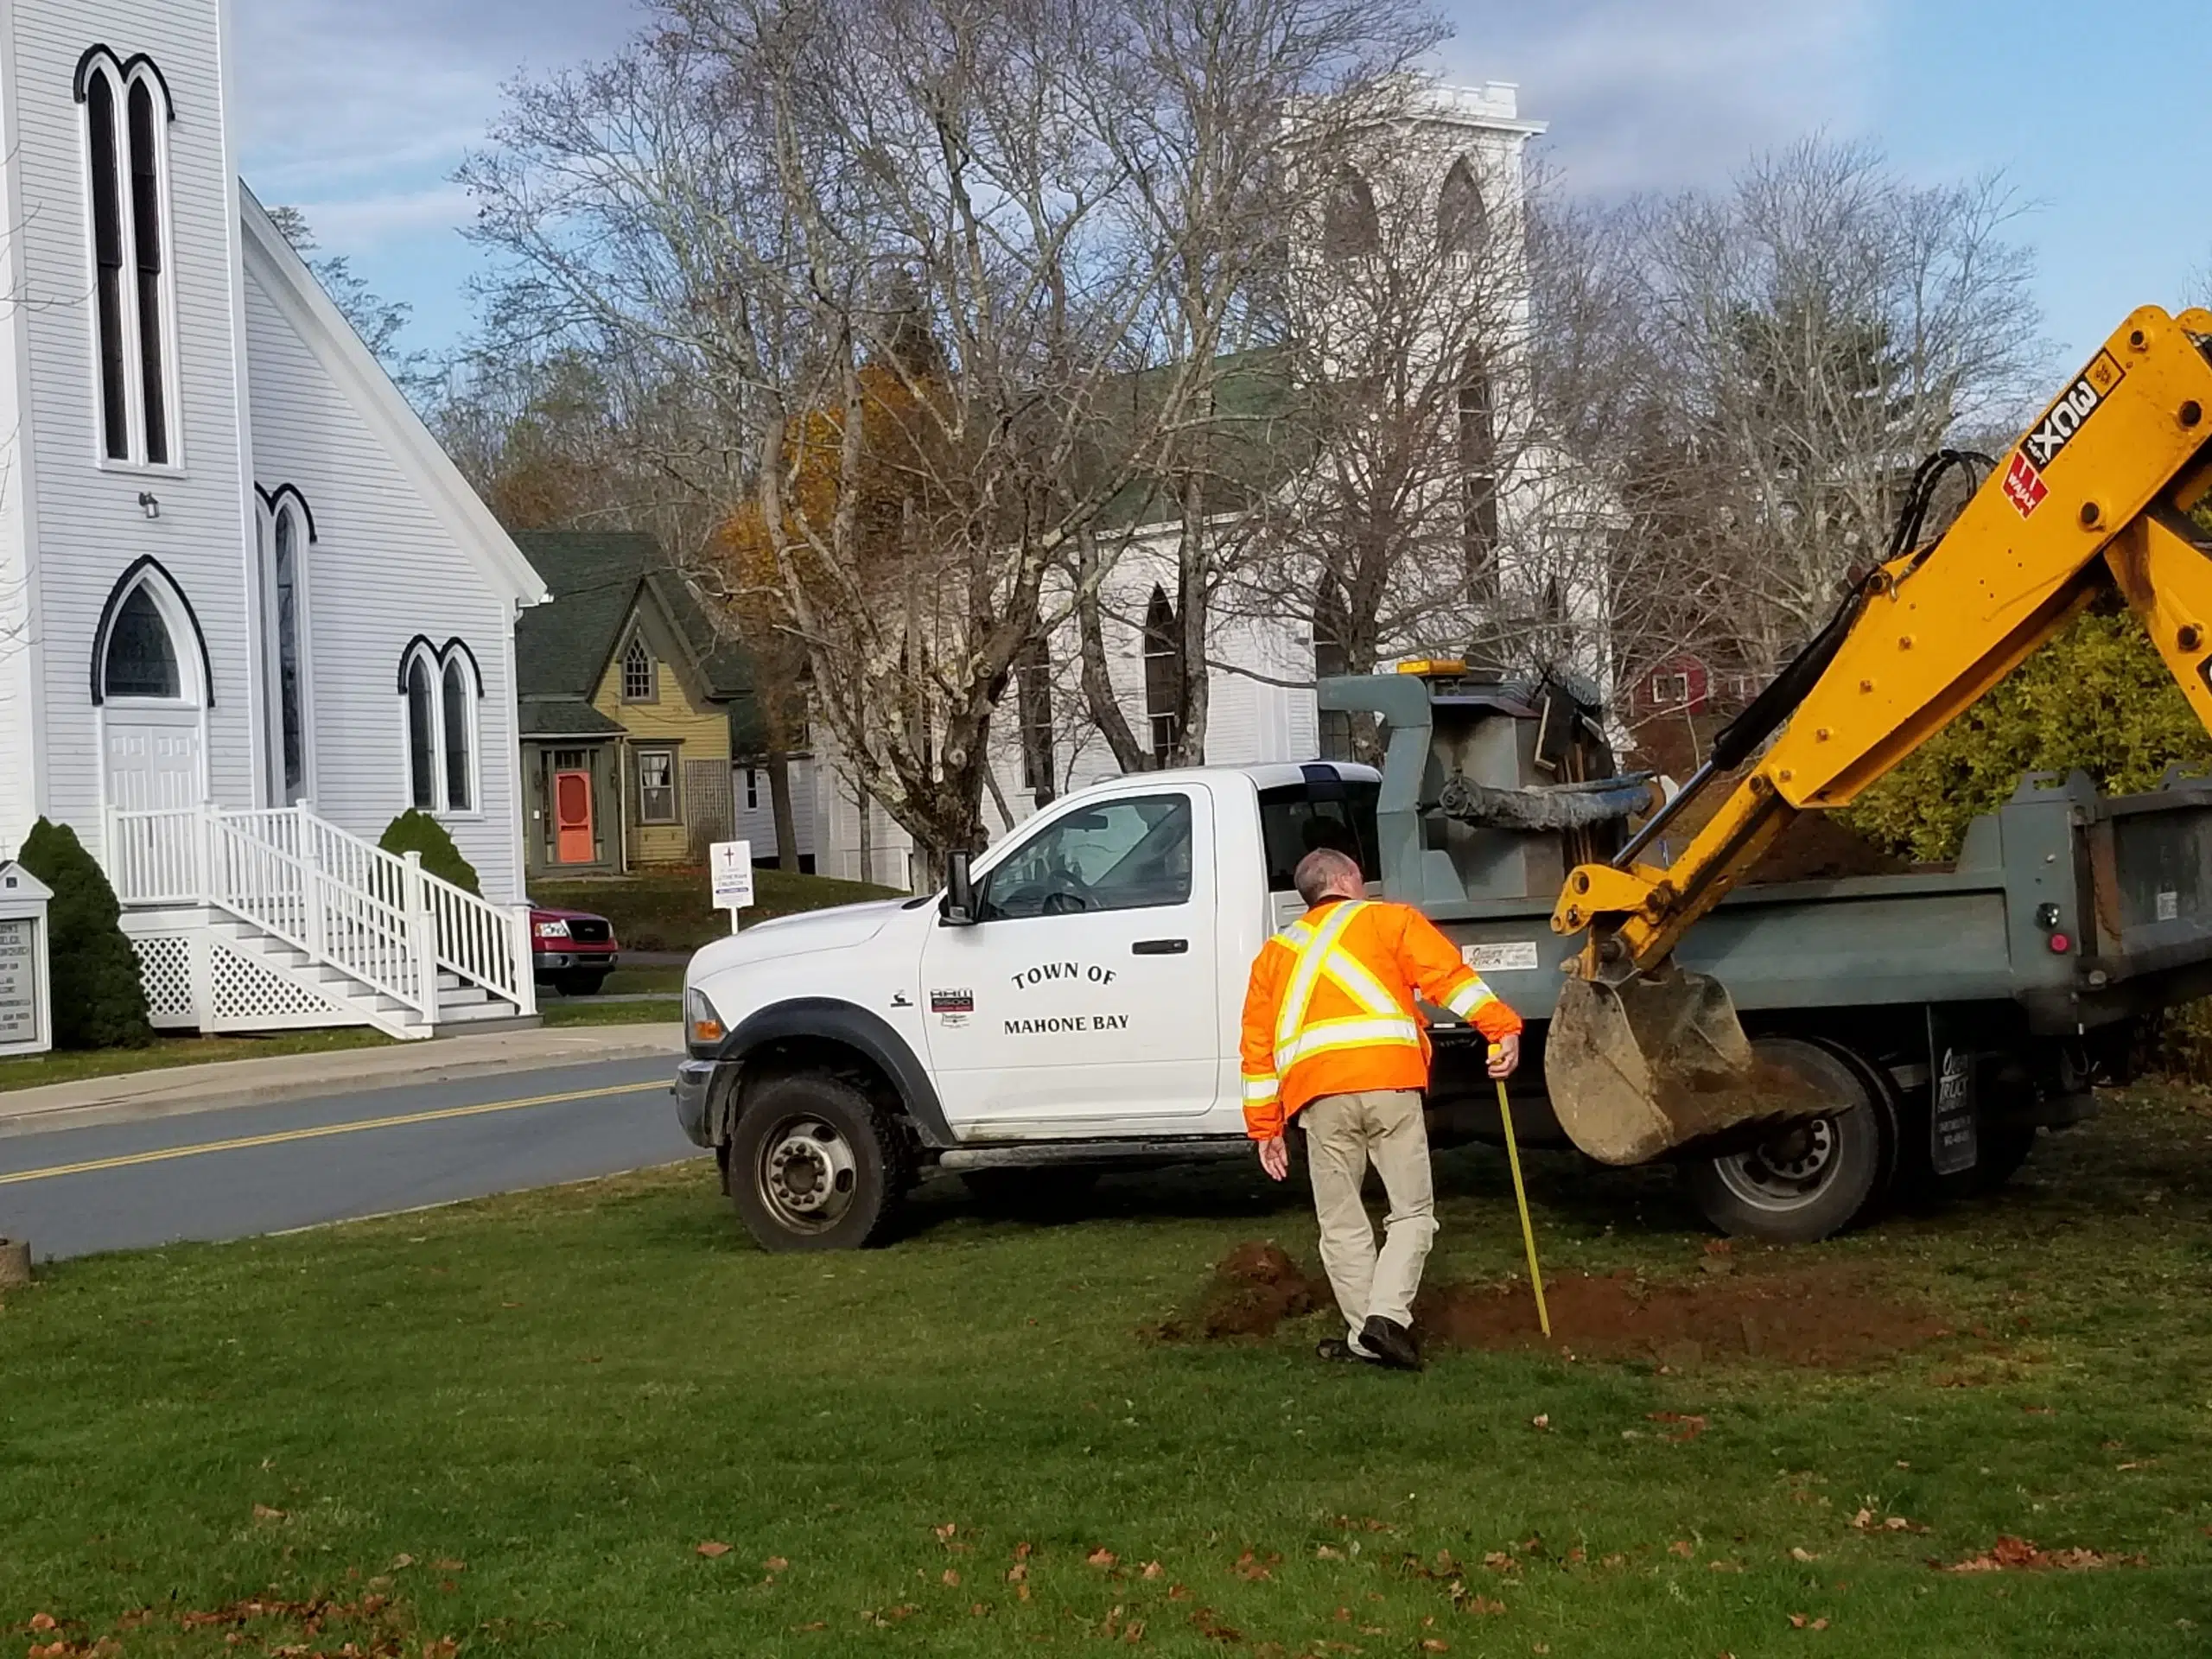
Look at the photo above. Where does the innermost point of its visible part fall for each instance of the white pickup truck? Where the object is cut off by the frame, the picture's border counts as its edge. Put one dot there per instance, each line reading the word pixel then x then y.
pixel 1073 1002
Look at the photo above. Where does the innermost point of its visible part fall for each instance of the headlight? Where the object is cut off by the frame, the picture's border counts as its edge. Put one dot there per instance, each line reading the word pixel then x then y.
pixel 701 1025
pixel 555 929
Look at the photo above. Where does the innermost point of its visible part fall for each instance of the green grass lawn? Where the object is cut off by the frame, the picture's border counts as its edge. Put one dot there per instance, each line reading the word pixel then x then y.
pixel 589 1011
pixel 669 911
pixel 514 1423
pixel 72 1065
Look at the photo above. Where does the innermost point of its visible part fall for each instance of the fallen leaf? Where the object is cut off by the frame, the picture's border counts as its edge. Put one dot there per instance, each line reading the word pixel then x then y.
pixel 2010 1553
pixel 775 1564
pixel 1021 1552
pixel 945 1531
pixel 1178 1592
pixel 714 1549
pixel 1687 1426
pixel 951 1575
pixel 818 1624
pixel 1251 1568
pixel 1682 1548
pixel 1724 1567
pixel 1434 1644
pixel 451 1566
pixel 1101 1557
pixel 1542 1419
pixel 1134 1633
pixel 1498 1561
pixel 979 1609
pixel 42 1621
pixel 1152 1570
pixel 1485 1605
pixel 1863 1520
pixel 401 1562
pixel 1208 1624
pixel 1327 1553
pixel 1799 1552
pixel 263 1512
pixel 1022 1592
pixel 1017 1573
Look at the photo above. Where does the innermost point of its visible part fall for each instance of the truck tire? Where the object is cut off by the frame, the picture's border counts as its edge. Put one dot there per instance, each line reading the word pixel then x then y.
pixel 1813 1179
pixel 813 1165
pixel 1045 1194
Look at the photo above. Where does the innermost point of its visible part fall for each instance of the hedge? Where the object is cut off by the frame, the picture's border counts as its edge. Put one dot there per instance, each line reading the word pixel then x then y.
pixel 99 999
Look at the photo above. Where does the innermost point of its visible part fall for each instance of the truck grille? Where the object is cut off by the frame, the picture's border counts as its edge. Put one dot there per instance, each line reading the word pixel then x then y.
pixel 591 933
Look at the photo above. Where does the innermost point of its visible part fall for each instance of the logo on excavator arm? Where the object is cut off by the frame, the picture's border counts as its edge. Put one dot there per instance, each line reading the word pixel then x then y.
pixel 2024 484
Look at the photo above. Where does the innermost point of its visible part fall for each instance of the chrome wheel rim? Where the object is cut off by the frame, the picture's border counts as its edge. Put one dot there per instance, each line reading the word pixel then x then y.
pixel 807 1175
pixel 1786 1171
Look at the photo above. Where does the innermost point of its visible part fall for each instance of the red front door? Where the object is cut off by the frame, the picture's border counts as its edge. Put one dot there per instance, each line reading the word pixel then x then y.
pixel 573 839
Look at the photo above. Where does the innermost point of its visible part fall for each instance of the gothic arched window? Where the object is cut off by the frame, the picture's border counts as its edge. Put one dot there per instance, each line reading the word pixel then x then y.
pixel 127 112
pixel 1462 221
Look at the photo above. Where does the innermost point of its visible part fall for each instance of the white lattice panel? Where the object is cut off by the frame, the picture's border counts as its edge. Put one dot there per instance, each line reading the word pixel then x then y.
pixel 250 994
pixel 165 967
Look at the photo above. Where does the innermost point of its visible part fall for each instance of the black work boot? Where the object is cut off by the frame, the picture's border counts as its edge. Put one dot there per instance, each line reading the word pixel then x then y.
pixel 1391 1343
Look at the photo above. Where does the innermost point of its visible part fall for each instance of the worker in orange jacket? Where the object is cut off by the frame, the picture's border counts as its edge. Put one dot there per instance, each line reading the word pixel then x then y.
pixel 1332 1035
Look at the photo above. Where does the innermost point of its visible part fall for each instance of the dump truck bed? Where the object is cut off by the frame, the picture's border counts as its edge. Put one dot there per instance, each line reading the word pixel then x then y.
pixel 2079 909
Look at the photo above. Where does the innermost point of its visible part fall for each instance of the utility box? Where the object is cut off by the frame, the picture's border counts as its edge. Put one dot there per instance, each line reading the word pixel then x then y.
pixel 26 991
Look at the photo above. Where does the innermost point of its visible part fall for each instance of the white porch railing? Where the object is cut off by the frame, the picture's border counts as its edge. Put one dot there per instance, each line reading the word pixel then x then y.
pixel 381 918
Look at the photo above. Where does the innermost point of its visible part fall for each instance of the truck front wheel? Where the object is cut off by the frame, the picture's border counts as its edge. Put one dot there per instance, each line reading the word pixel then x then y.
pixel 813 1165
pixel 1812 1179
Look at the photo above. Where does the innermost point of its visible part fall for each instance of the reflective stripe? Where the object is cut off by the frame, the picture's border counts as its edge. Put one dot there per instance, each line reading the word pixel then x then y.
pixel 1352 978
pixel 1299 995
pixel 1348 1033
pixel 1260 1090
pixel 1468 997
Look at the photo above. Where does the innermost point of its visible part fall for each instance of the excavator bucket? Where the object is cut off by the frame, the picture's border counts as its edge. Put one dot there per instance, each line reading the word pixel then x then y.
pixel 1636 1070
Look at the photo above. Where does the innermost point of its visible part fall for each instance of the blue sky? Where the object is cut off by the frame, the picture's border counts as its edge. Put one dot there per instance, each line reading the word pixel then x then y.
pixel 358 111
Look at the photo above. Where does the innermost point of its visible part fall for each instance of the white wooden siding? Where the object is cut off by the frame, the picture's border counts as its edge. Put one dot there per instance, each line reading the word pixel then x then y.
pixel 88 524
pixel 383 568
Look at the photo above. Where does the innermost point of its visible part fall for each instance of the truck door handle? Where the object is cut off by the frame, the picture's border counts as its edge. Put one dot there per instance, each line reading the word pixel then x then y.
pixel 1159 947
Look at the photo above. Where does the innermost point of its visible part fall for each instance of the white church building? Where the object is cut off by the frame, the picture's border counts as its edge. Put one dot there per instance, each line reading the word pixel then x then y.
pixel 249 611
pixel 1458 154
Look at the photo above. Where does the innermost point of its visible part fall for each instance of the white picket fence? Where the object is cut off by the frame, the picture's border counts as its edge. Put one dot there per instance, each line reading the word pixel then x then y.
pixel 380 919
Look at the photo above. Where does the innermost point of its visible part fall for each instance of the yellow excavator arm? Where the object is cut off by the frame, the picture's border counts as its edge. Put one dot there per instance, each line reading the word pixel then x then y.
pixel 1642 1057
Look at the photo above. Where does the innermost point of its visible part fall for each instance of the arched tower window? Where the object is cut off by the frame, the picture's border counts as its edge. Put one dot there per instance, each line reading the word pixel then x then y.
pixel 1462 221
pixel 127 112
pixel 1350 226
pixel 639 683
pixel 1163 675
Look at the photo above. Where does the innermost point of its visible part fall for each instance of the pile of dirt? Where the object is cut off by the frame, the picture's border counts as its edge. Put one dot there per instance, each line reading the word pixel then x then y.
pixel 1814 1316
pixel 1819 847
pixel 1256 1287
pixel 1824 1317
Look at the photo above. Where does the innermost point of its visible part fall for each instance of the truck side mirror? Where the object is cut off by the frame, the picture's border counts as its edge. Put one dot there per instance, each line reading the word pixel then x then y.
pixel 958 908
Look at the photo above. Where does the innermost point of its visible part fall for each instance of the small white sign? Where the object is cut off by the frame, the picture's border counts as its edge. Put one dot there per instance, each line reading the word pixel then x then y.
pixel 1516 956
pixel 730 862
pixel 2169 905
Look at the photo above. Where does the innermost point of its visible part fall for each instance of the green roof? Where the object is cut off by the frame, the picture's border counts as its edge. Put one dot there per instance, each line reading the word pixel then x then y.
pixel 1256 437
pixel 564 717
pixel 562 648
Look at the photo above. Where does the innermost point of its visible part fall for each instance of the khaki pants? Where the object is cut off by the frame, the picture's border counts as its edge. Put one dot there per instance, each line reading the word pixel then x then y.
pixel 1344 1135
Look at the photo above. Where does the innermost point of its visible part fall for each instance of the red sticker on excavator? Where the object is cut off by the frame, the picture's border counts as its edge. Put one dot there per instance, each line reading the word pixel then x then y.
pixel 2024 484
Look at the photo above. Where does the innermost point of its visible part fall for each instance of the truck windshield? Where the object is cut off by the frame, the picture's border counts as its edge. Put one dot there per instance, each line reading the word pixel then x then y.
pixel 1293 823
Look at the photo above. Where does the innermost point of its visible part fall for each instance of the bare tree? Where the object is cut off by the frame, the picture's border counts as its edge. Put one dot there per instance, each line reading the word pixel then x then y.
pixel 938 284
pixel 1807 336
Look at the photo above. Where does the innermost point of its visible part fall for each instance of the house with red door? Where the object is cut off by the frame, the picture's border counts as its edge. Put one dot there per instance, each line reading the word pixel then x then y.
pixel 627 703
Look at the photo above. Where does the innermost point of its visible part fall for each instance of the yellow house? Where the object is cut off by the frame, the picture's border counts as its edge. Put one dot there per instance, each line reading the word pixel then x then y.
pixel 627 700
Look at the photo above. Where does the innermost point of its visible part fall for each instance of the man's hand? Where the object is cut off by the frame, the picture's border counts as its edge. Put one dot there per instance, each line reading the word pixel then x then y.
pixel 1505 1055
pixel 1274 1157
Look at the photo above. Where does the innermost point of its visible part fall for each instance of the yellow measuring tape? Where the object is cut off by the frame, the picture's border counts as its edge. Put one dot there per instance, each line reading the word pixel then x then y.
pixel 1520 1198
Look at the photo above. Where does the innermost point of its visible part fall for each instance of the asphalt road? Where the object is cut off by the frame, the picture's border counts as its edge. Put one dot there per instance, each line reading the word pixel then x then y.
pixel 236 1172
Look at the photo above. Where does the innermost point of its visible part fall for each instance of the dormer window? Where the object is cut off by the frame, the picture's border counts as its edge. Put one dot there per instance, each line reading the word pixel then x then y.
pixel 127 112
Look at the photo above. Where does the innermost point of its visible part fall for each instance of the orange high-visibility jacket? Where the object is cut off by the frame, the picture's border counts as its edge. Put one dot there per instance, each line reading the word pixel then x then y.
pixel 1330 1010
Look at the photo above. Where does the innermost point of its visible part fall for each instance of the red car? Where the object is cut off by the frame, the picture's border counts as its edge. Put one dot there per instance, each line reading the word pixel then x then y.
pixel 573 950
